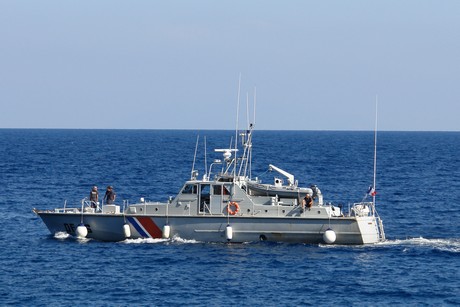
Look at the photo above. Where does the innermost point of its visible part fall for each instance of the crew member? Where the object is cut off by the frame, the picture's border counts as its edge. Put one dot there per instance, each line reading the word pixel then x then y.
pixel 307 202
pixel 94 197
pixel 110 195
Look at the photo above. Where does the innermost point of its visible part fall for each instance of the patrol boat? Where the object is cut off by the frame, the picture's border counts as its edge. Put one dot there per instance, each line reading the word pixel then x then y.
pixel 226 207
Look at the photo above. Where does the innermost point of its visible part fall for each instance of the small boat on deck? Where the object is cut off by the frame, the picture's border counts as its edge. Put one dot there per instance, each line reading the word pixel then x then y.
pixel 226 207
pixel 278 189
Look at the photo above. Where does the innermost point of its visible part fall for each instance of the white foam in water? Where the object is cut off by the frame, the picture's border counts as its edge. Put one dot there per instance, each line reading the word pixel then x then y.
pixel 144 241
pixel 153 241
pixel 83 240
pixel 450 245
pixel 180 240
pixel 61 235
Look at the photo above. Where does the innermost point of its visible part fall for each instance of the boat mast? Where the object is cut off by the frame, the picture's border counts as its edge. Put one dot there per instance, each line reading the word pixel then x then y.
pixel 246 159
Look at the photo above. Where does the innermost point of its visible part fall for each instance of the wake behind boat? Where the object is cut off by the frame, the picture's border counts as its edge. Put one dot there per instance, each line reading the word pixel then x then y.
pixel 229 206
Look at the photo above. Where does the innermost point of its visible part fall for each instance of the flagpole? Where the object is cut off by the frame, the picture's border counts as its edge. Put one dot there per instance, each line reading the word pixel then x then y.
pixel 375 150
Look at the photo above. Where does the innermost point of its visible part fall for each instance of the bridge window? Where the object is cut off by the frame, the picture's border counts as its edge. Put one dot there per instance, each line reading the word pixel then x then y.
pixel 221 190
pixel 189 189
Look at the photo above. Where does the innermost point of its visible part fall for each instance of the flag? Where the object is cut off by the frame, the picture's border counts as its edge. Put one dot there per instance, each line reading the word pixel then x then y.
pixel 371 191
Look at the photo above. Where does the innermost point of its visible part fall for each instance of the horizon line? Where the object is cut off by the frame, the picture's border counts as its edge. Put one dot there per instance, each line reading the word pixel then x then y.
pixel 210 129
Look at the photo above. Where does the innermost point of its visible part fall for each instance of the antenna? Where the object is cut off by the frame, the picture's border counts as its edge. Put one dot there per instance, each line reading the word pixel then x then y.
pixel 247 109
pixel 255 100
pixel 236 128
pixel 192 175
pixel 205 160
pixel 252 127
pixel 375 148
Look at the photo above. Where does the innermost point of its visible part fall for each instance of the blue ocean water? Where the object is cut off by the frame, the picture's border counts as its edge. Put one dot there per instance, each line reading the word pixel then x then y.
pixel 418 185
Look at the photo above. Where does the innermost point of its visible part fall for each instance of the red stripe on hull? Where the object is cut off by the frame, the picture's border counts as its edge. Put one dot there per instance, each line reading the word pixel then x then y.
pixel 150 226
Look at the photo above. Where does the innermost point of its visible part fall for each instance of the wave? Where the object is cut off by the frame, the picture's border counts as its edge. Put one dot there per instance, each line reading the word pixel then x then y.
pixel 155 241
pixel 180 240
pixel 449 245
pixel 144 241
pixel 61 235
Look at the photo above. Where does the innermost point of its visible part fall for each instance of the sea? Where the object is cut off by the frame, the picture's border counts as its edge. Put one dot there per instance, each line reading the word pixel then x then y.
pixel 418 199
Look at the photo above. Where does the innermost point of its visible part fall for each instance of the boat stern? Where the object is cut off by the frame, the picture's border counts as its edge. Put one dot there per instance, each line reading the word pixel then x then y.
pixel 369 229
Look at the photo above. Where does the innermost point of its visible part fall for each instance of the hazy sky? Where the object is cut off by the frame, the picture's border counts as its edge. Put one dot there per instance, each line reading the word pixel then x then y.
pixel 316 65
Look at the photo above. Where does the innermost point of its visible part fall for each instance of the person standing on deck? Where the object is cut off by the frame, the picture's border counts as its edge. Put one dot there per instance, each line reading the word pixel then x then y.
pixel 110 195
pixel 94 197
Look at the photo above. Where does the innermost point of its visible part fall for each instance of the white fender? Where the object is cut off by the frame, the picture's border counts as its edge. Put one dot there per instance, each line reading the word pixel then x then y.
pixel 166 231
pixel 81 231
pixel 229 232
pixel 329 236
pixel 126 230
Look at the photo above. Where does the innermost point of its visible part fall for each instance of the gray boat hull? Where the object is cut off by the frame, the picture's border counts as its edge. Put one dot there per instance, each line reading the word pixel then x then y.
pixel 109 227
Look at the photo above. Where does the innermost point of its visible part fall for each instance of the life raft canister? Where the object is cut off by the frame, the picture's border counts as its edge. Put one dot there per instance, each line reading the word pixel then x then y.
pixel 235 205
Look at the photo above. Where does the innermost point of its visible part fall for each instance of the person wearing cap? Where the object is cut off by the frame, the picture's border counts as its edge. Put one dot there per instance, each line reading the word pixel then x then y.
pixel 94 197
pixel 307 201
pixel 110 195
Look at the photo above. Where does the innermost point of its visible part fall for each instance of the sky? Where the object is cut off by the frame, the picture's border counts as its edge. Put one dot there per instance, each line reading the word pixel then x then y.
pixel 307 65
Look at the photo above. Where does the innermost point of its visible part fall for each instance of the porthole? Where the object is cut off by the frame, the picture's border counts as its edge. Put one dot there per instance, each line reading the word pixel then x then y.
pixel 156 209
